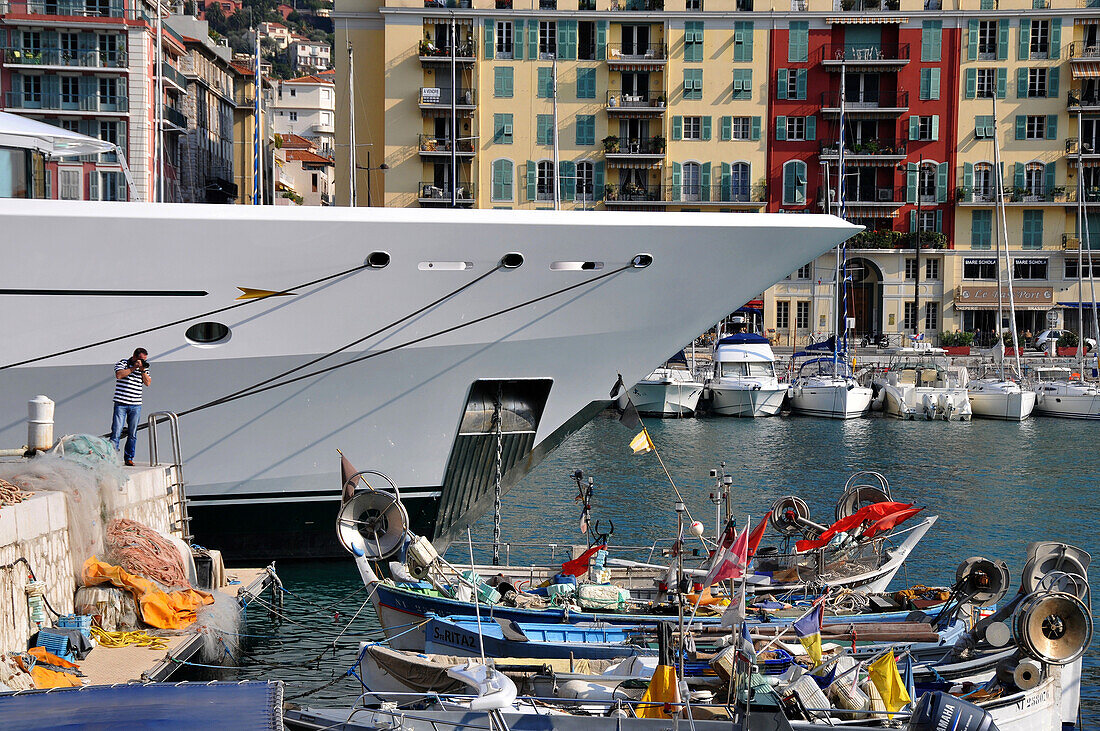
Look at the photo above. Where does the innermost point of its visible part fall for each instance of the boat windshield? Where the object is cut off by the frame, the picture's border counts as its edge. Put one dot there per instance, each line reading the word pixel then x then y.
pixel 759 370
pixel 825 367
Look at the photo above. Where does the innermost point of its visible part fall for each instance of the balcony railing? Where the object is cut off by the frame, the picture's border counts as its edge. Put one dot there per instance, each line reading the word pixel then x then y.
pixel 175 116
pixel 24 100
pixel 638 5
pixel 653 99
pixel 714 193
pixel 442 145
pixel 866 6
pixel 1081 50
pixel 448 4
pixel 873 148
pixel 634 53
pixel 897 240
pixel 173 75
pixel 1090 147
pixel 76 8
pixel 1089 3
pixel 865 53
pixel 870 195
pixel 437 97
pixel 87 58
pixel 441 194
pixel 988 196
pixel 635 146
pixel 882 100
pixel 465 52
pixel 1075 100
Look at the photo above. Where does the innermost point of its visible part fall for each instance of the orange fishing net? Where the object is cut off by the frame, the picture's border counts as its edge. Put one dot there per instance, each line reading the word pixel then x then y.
pixel 141 550
pixel 171 610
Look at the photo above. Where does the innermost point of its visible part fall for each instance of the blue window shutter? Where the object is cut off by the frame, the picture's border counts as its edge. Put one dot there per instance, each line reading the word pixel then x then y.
pixel 601 40
pixel 677 128
pixel 935 127
pixel 1018 175
pixel 781 84
pixel 563 40
pixel 1023 51
pixel 934 84
pixel 1002 83
pixel 931 40
pixel 911 176
pixel 544 82
pixel 490 29
pixel 968 175
pixel 1052 82
pixel 972 41
pixel 975 229
pixel 811 128
pixel 533 40
pixel 1055 38
pixel 798 41
pixel 1002 39
pixel 597 180
pixel 676 181
pixel 508 180
pixel 1052 126
pixel 925 83
pixel 913 220
pixel 567 179
pixel 706 128
pixel 531 172
pixel 517 39
pixel 704 182
pixel 941 183
pixel 1048 176
pixel 790 183
pixel 1021 83
pixel 498 127
pixel 780 128
pixel 726 126
pixel 725 181
pixel 756 128
pixel 971 83
pixel 939 220
pixel 800 83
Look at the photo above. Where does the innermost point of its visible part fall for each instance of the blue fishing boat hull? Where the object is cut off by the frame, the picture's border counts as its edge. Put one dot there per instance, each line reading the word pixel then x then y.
pixel 448 636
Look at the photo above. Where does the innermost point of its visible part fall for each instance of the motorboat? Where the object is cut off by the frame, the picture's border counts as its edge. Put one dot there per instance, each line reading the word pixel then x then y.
pixel 995 397
pixel 669 391
pixel 1061 392
pixel 919 383
pixel 743 380
pixel 825 386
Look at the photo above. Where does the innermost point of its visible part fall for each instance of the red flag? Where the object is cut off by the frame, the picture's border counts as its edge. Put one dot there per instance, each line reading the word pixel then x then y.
pixel 579 565
pixel 757 535
pixel 346 473
pixel 731 562
pixel 873 512
pixel 891 521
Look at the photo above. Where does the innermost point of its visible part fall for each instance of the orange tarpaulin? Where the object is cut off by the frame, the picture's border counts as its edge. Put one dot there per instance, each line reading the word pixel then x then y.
pixel 174 610
pixel 44 677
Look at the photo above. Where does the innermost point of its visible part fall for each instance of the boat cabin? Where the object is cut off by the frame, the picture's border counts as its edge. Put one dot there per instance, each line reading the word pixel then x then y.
pixel 744 355
pixel 22 173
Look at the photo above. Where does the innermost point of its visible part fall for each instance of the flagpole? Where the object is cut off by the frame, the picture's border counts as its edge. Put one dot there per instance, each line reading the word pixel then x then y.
pixel 783 632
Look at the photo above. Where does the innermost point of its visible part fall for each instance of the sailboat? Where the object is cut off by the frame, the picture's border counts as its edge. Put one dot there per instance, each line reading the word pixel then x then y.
pixel 1060 391
pixel 825 385
pixel 994 395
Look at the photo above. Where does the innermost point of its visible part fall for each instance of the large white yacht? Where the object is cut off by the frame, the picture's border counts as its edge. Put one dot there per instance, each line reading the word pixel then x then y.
pixel 743 380
pixel 424 320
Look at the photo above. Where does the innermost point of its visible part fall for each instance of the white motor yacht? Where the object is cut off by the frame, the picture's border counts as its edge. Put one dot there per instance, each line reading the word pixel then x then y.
pixel 994 396
pixel 919 384
pixel 743 381
pixel 670 390
pixel 826 387
pixel 1060 394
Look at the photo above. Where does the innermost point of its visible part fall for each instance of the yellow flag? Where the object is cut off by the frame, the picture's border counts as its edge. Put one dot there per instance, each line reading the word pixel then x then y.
pixel 662 689
pixel 812 643
pixel 884 675
pixel 641 443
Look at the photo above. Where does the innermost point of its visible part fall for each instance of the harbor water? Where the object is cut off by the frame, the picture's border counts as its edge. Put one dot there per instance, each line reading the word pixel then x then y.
pixel 996 487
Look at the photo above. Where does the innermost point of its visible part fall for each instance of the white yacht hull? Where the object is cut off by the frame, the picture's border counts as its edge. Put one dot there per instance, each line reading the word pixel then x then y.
pixel 666 398
pixel 1004 406
pixel 831 402
pixel 908 402
pixel 262 470
pixel 726 401
pixel 1068 406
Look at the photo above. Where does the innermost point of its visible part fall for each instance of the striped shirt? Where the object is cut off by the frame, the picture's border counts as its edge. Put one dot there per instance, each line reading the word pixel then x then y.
pixel 128 389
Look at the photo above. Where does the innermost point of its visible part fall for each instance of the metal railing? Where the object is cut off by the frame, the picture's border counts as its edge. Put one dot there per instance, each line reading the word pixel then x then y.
pixel 430 192
pixel 870 194
pixel 1076 99
pixel 466 51
pixel 25 100
pixel 172 74
pixel 431 143
pixel 175 116
pixel 886 148
pixel 692 193
pixel 638 5
pixel 639 146
pixel 1053 194
pixel 1090 148
pixel 866 6
pixel 77 8
pixel 85 58
pixel 177 490
pixel 881 100
pixel 654 98
pixel 636 52
pixel 1079 49
pixel 437 97
pixel 866 52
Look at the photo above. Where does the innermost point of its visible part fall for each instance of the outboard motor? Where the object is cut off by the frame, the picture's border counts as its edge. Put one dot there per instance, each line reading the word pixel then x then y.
pixel 939 710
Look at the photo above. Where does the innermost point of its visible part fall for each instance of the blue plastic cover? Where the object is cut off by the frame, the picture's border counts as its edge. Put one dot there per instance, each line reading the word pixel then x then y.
pixel 743 339
pixel 247 705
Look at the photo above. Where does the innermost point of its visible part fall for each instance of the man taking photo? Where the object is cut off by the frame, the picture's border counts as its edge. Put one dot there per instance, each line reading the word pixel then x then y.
pixel 131 377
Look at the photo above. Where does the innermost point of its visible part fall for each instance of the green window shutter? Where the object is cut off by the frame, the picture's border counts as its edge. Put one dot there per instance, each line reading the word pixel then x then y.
pixel 724 182
pixel 1052 126
pixel 971 83
pixel 1018 175
pixel 913 220
pixel 972 41
pixel 601 40
pixel 1023 52
pixel 935 127
pixel 1002 83
pixel 597 180
pixel 939 220
pixel 780 128
pixel 1053 79
pixel 567 179
pixel 914 128
pixel 790 183
pixel 704 182
pixel 1002 39
pixel 726 126
pixel 533 40
pixel 545 133
pixel 531 171
pixel 798 41
pixel 976 229
pixel 1055 38
pixel 517 40
pixel 756 128
pixel 677 128
pixel 941 182
pixel 1033 230
pixel 1048 176
pixel 800 83
pixel 706 129
pixel 693 42
pixel 742 41
pixel 567 38
pixel 497 193
pixel 490 29
pixel 502 86
pixel 925 83
pixel 508 180
pixel 1021 83
pixel 498 127
pixel 586 83
pixel 582 130
pixel 811 128
pixel 934 84
pixel 931 40
pixel 676 181
pixel 546 82
pixel 911 176
pixel 781 84
pixel 968 175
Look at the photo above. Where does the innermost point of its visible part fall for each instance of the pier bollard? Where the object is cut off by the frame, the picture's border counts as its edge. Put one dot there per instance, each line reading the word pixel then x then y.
pixel 39 423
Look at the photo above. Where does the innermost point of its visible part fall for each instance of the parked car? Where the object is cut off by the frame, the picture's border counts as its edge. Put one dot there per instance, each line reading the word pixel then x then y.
pixel 1042 342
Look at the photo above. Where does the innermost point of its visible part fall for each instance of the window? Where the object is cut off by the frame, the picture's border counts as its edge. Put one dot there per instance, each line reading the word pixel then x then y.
pixel 1039 39
pixel 986 83
pixel 926 186
pixel 1071 268
pixel 544 184
pixel 69 184
pixel 503 82
pixel 924 128
pixel 932 269
pixel 742 41
pixel 313 181
pixel 544 131
pixel 987 39
pixel 69 46
pixel 931 38
pixel 798 41
pixel 70 90
pixel 795 128
pixel 586 83
pixel 1033 180
pixel 32 89
pixel 585 181
pixel 910 268
pixel 548 39
pixel 502 129
pixel 293 116
pixel 909 319
pixel 693 84
pixel 693 41
pixel 108 91
pixel 586 129
pixel 691 186
pixel 741 128
pixel 586 40
pixel 502 180
pixel 545 89
pixel 739 182
pixel 1036 125
pixel 1033 231
pixel 979 268
pixel 805 271
pixel 928 220
pixel 802 315
pixel 1036 83
pixel 782 314
pixel 694 4
pixel 1029 269
pixel 929 83
pixel 742 83
pixel 984 182
pixel 984 127
pixel 504 40
pixel 294 92
pixel 789 86
pixel 932 316
pixel 981 229
pixel 794 183
pixel 693 128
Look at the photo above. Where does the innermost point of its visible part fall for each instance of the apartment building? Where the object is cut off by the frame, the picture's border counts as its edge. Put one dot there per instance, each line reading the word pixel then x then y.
pixel 306 106
pixel 307 56
pixel 304 174
pixel 735 106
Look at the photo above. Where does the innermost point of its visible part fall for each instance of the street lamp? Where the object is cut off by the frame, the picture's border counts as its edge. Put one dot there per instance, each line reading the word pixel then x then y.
pixel 368 170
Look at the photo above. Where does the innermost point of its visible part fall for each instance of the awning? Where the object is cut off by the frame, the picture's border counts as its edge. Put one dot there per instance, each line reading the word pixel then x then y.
pixel 447 20
pixel 1075 305
pixel 636 65
pixel 1085 69
pixel 865 163
pixel 867 20
pixel 1086 21
pixel 857 211
pixel 633 165
pixel 18 131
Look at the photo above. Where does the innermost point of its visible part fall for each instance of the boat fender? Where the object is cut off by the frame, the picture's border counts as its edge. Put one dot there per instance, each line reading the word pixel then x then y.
pixel 998 634
pixel 495 690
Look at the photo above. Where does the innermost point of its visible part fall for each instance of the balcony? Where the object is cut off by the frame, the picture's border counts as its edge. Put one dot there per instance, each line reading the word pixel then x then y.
pixel 866 6
pixel 625 151
pixel 68 8
pixel 432 146
pixel 1019 196
pixel 642 6
pixel 322 128
pixel 1088 152
pixel 438 101
pixel 173 77
pixel 636 104
pixel 883 104
pixel 433 55
pixel 1075 102
pixel 175 117
pixel 633 57
pixel 1079 51
pixel 870 196
pixel 876 152
pixel 65 59
pixel 634 196
pixel 117 105
pixel 865 57
pixel 440 195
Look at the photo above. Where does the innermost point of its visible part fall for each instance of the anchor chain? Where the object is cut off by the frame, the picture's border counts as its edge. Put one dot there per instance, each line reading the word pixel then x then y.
pixel 496 482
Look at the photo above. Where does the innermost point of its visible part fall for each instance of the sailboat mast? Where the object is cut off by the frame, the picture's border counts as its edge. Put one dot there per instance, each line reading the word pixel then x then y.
pixel 1081 224
pixel 554 102
pixel 454 120
pixel 158 116
pixel 1003 236
pixel 351 118
pixel 257 165
pixel 839 274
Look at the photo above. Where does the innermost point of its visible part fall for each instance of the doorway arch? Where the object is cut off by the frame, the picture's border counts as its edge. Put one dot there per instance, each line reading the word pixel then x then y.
pixel 864 295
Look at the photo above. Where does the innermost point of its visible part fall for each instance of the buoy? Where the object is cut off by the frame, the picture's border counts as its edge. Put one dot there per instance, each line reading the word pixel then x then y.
pixel 697 528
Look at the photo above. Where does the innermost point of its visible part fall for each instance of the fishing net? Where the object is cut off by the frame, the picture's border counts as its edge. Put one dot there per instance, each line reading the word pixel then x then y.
pixel 142 551
pixel 220 626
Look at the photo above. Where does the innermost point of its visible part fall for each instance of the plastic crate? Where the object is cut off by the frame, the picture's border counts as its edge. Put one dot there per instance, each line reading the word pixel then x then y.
pixel 55 644
pixel 82 622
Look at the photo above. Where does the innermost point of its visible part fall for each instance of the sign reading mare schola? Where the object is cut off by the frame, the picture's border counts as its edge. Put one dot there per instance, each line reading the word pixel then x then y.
pixel 985 297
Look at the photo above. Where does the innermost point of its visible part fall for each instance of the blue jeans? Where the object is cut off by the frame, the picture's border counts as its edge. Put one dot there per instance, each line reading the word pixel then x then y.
pixel 130 414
